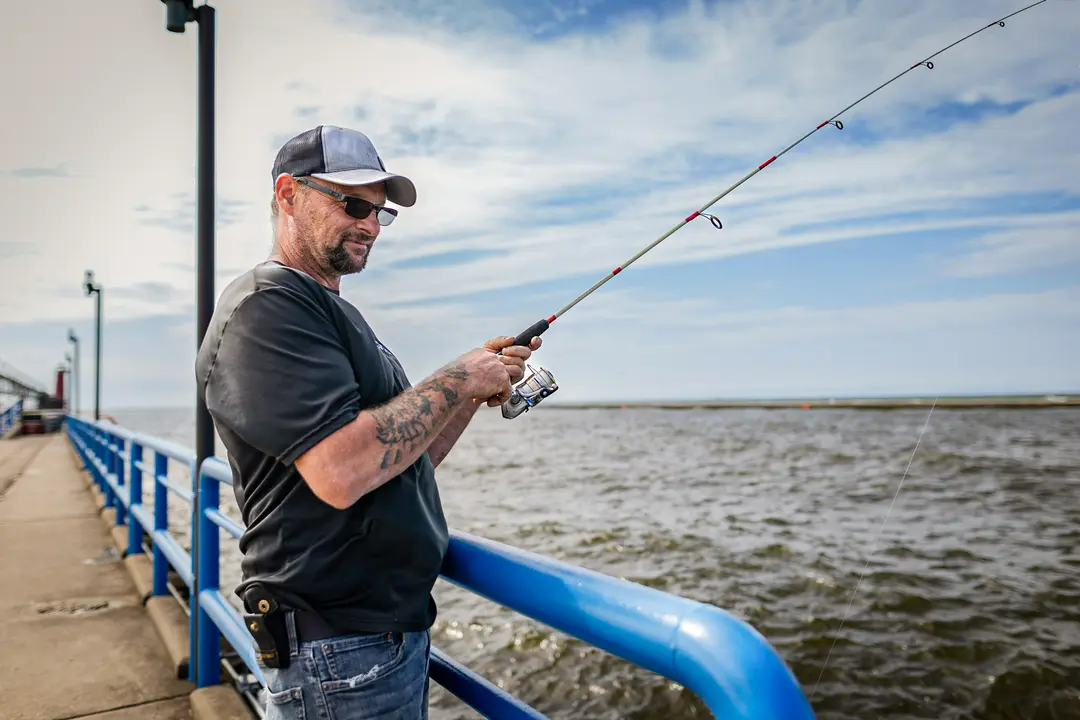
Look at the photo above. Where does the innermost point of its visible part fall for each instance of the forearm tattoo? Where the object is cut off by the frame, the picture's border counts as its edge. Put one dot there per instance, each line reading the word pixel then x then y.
pixel 410 419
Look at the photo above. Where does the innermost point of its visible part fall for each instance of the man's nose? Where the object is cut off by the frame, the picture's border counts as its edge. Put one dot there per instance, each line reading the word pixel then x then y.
pixel 370 224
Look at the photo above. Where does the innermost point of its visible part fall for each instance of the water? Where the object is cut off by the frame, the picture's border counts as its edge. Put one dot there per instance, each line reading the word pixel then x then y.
pixel 969 609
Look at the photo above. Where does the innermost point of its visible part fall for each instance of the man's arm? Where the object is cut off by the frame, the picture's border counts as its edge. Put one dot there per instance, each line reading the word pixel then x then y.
pixel 514 359
pixel 381 442
pixel 451 432
pixel 279 377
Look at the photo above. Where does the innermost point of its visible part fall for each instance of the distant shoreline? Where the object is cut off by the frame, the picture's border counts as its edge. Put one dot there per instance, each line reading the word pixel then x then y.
pixel 886 403
pixel 1030 400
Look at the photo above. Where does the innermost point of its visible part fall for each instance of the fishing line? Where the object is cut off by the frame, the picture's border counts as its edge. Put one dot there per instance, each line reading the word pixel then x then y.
pixel 874 546
pixel 539 384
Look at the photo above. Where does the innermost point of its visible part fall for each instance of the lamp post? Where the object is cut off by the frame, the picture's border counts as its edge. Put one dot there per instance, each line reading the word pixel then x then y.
pixel 177 14
pixel 75 386
pixel 95 289
pixel 65 401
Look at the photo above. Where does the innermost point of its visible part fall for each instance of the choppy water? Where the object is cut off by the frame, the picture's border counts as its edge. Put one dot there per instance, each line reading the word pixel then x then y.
pixel 969 609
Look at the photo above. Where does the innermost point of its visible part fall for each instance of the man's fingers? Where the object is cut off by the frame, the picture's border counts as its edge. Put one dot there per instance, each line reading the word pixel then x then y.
pixel 502 342
pixel 499 399
pixel 534 344
pixel 515 368
pixel 504 345
pixel 517 351
pixel 513 358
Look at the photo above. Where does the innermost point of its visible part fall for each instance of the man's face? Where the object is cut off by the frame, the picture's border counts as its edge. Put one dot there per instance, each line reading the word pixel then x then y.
pixel 338 243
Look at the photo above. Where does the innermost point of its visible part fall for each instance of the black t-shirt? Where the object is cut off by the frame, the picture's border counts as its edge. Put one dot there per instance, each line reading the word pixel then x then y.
pixel 285 363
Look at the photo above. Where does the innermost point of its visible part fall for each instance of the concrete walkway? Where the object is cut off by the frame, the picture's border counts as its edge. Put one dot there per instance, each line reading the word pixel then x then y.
pixel 16 455
pixel 76 640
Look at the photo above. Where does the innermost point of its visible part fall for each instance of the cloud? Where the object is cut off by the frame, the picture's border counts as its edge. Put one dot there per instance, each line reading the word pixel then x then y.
pixel 56 171
pixel 148 291
pixel 647 311
pixel 550 142
pixel 1050 244
pixel 643 346
pixel 145 362
pixel 179 215
pixel 498 149
pixel 12 248
pixel 641 189
pixel 1007 342
pixel 454 257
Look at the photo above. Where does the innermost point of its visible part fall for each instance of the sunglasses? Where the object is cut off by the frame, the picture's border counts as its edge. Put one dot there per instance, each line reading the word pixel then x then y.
pixel 354 207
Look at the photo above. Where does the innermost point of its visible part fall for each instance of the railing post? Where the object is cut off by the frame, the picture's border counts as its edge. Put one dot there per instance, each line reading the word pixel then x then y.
pixel 193 600
pixel 161 522
pixel 88 438
pixel 74 431
pixel 118 446
pixel 93 441
pixel 134 497
pixel 105 458
pixel 207 579
pixel 98 447
pixel 88 451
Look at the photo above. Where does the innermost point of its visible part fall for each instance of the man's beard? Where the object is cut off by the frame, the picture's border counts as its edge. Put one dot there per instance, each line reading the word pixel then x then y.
pixel 340 260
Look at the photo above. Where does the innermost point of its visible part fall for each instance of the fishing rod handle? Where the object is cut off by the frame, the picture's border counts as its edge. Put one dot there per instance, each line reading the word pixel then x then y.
pixel 534 330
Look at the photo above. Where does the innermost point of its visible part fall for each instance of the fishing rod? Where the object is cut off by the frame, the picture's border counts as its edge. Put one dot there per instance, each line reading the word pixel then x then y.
pixel 539 384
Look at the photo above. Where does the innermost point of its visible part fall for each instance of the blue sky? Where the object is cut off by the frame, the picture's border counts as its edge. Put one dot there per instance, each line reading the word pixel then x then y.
pixel 931 246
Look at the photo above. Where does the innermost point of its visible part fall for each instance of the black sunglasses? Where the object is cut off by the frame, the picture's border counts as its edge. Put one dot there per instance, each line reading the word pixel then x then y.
pixel 354 207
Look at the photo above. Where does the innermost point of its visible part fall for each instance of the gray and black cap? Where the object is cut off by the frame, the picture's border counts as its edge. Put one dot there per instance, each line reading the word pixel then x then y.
pixel 342 156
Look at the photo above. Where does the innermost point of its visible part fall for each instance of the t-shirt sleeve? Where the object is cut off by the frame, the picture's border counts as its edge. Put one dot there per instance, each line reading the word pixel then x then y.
pixel 281 378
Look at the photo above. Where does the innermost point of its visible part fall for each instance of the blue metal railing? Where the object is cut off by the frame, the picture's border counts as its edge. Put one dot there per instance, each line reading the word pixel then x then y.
pixel 722 659
pixel 11 415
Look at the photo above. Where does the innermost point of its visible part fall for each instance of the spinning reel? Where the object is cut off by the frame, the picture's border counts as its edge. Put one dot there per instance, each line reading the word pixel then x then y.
pixel 533 388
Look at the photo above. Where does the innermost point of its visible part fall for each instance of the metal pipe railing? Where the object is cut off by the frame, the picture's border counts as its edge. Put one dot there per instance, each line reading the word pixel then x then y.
pixel 11 415
pixel 103 447
pixel 721 658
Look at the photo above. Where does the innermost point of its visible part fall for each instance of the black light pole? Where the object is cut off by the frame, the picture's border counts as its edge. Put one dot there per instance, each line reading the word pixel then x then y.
pixel 75 384
pixel 92 289
pixel 177 14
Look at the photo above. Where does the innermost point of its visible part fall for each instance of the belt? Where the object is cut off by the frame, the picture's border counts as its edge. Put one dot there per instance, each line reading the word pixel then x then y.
pixel 310 626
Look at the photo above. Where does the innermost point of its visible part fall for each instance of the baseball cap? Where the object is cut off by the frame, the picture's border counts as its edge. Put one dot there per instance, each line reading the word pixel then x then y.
pixel 342 156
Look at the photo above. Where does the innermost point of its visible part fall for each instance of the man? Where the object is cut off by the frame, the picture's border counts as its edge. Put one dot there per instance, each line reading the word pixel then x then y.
pixel 332 450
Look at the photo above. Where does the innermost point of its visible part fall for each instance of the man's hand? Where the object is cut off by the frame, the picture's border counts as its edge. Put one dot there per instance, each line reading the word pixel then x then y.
pixel 510 370
pixel 513 357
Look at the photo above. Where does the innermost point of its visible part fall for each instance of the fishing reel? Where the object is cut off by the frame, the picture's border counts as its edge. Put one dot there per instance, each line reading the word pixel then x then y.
pixel 529 392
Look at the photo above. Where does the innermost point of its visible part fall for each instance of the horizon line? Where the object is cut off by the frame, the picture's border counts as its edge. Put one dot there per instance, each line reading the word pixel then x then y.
pixel 1047 399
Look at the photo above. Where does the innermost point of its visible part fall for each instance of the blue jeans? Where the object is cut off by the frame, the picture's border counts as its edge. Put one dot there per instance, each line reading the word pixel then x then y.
pixel 352 677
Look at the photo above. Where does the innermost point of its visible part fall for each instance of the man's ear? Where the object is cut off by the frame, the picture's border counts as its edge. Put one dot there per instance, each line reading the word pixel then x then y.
pixel 285 193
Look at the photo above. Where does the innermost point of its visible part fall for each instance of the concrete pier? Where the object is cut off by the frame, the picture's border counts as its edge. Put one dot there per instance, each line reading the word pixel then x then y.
pixel 77 639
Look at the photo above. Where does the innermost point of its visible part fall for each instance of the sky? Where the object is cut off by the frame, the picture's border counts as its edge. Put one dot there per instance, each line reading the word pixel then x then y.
pixel 931 246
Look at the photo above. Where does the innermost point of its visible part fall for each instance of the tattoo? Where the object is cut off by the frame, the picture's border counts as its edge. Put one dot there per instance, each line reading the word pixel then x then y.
pixel 407 421
pixel 456 371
